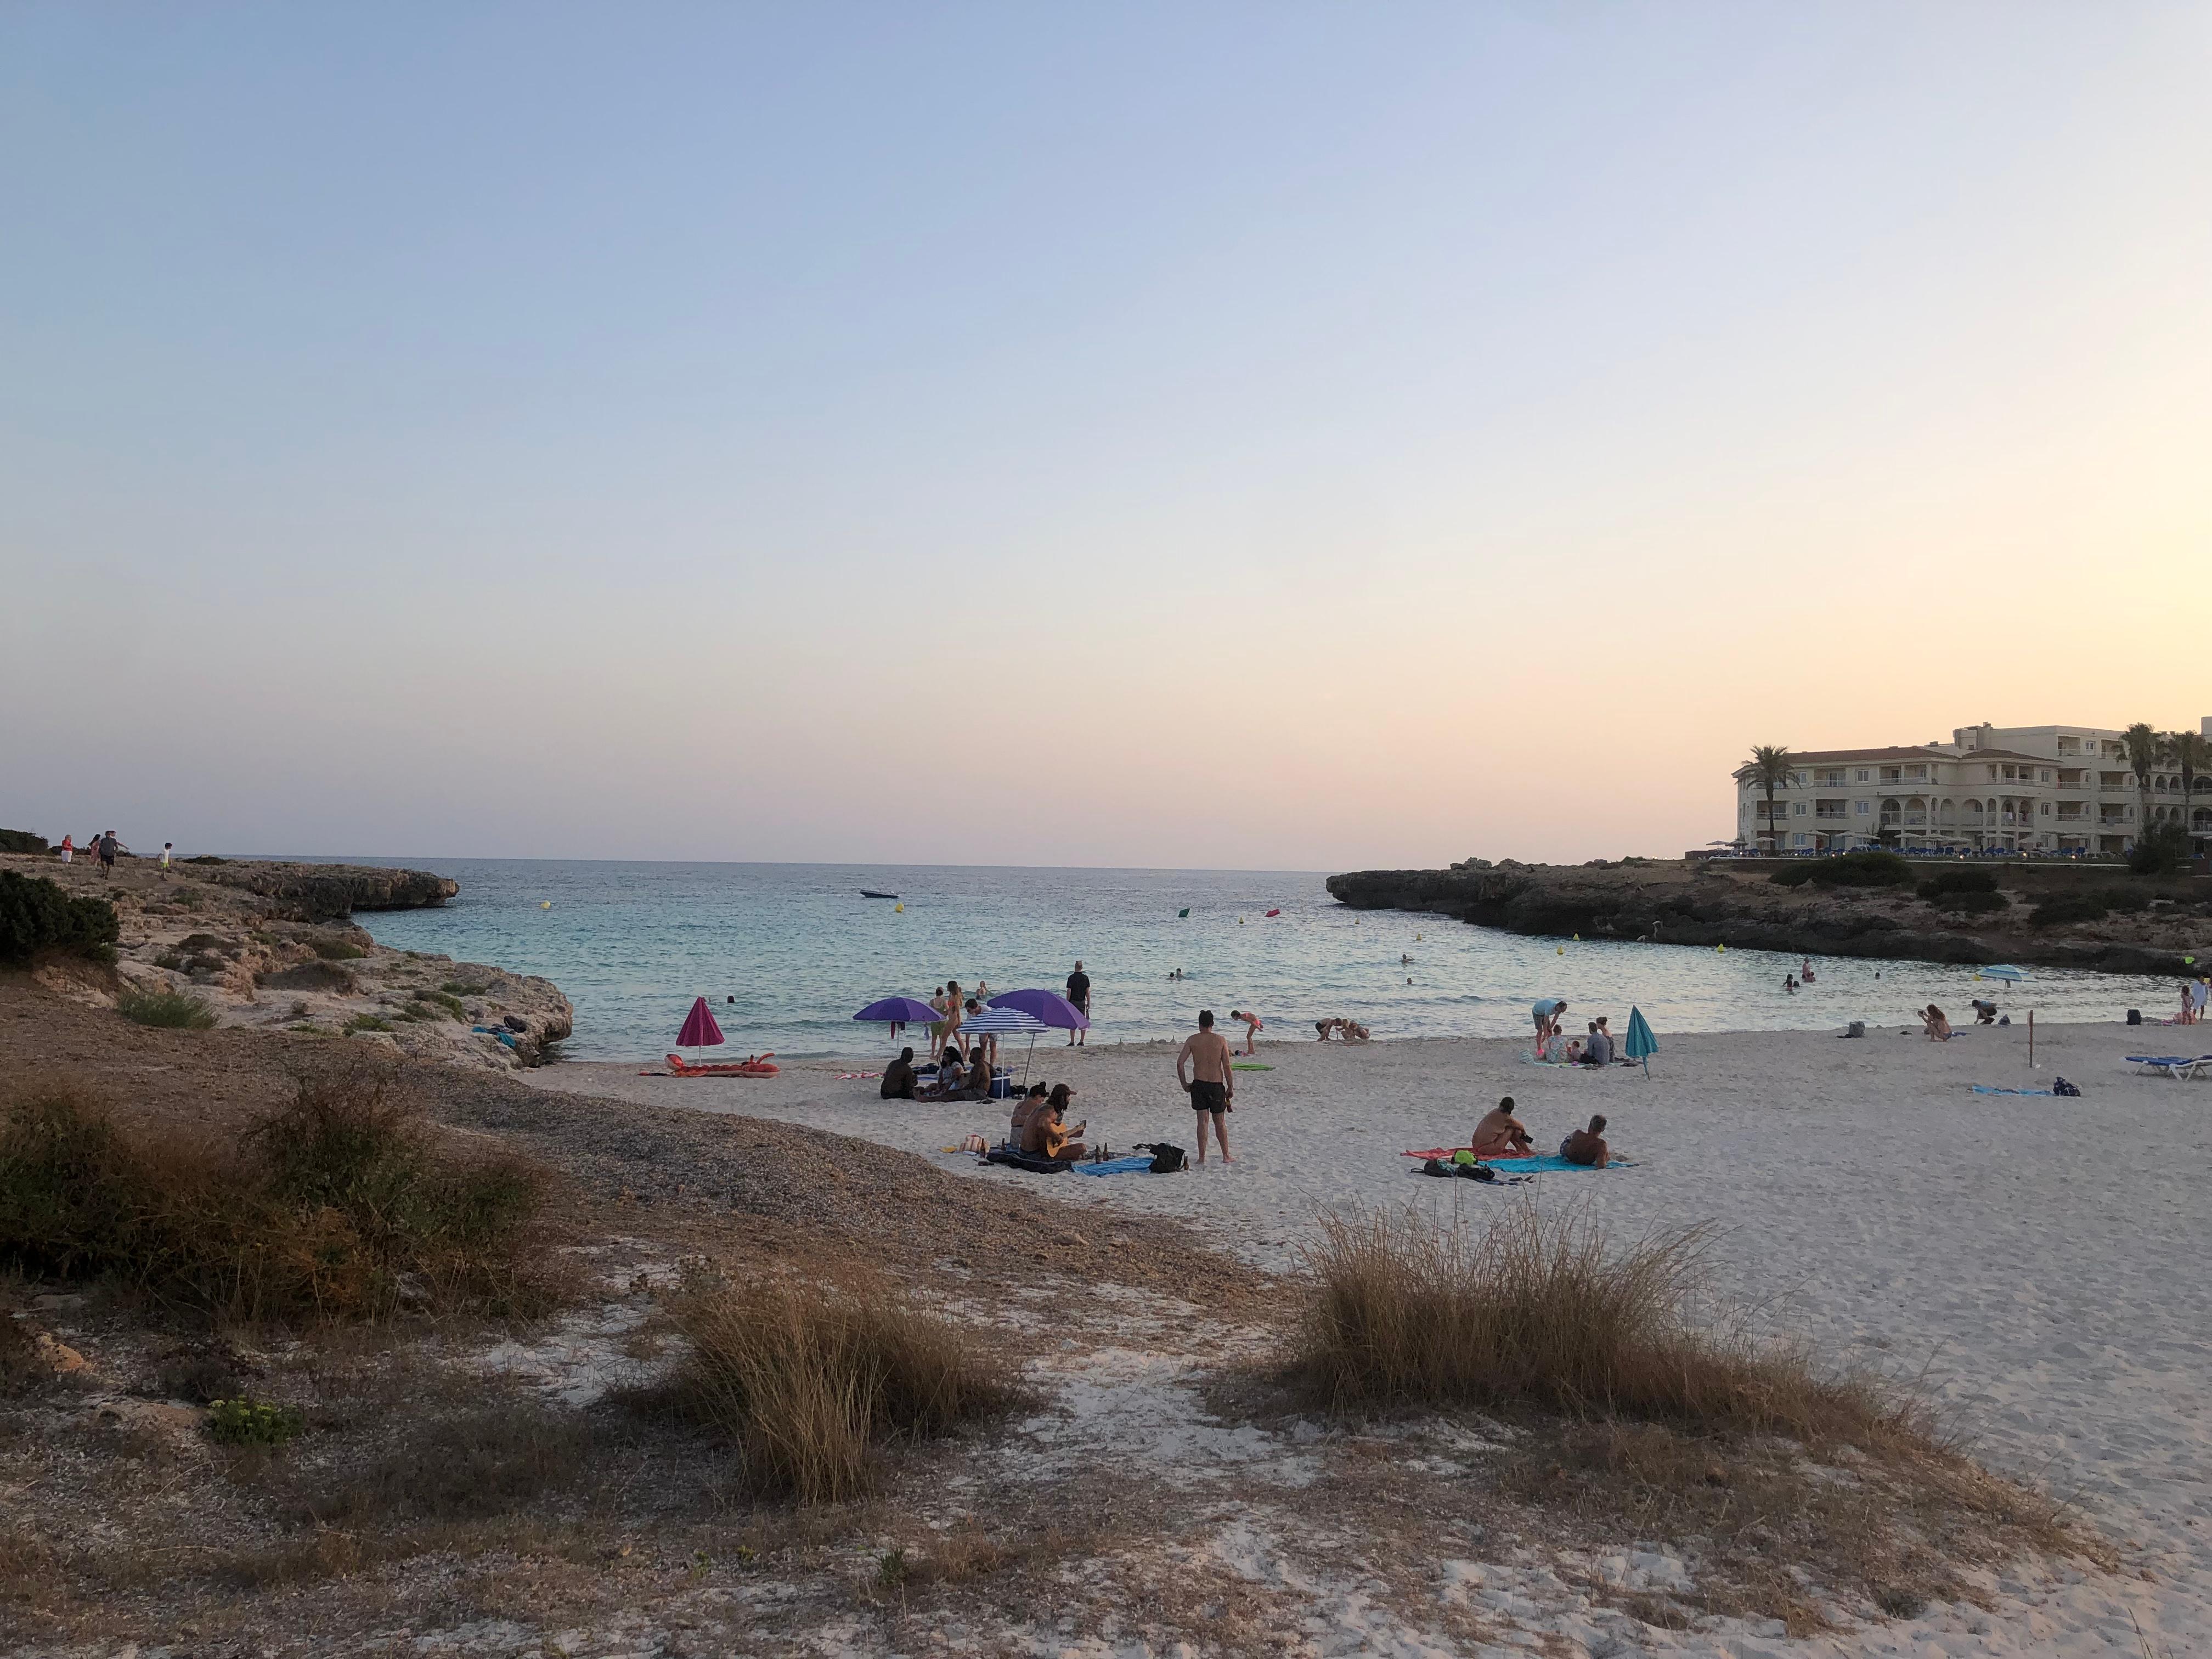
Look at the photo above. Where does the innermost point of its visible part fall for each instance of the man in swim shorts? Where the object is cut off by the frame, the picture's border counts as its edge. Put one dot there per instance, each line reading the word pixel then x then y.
pixel 1211 1086
pixel 1253 1026
pixel 1587 1146
pixel 1078 994
pixel 1501 1135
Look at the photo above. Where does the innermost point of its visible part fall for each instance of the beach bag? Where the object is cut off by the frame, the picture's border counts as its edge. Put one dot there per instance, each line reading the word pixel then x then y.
pixel 2134 1016
pixel 1437 1166
pixel 1475 1171
pixel 2061 1086
pixel 1167 1159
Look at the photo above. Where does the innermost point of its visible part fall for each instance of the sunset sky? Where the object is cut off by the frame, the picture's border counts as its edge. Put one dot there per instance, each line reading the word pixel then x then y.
pixel 1254 436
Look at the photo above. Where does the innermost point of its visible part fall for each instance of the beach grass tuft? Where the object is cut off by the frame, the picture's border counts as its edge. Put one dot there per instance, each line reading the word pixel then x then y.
pixel 335 1206
pixel 170 1009
pixel 809 1382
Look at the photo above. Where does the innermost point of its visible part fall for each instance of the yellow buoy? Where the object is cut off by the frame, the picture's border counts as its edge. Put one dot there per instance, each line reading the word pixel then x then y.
pixel 1722 949
pixel 900 908
pixel 545 905
pixel 1562 950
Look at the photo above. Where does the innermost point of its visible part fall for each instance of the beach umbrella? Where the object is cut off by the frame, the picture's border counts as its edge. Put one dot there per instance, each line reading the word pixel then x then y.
pixel 1048 1006
pixel 996 1021
pixel 699 1030
pixel 2003 970
pixel 1641 1044
pixel 898 1010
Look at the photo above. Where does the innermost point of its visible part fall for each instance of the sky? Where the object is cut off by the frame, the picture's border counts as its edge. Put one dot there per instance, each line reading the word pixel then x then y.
pixel 1255 436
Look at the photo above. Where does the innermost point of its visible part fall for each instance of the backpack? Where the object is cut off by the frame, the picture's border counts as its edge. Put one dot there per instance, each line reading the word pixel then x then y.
pixel 2061 1086
pixel 1167 1157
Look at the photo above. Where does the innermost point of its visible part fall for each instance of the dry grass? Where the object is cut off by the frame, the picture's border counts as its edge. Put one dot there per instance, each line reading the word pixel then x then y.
pixel 334 1206
pixel 173 1011
pixel 809 1382
pixel 1539 1309
pixel 1637 1420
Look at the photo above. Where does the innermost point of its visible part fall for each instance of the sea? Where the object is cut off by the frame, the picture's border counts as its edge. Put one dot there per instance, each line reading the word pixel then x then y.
pixel 786 953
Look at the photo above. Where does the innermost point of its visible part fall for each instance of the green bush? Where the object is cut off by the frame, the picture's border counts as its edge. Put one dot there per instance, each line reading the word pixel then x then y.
pixel 36 915
pixel 366 1023
pixel 172 1011
pixel 337 950
pixel 244 1422
pixel 1959 881
pixel 22 841
pixel 2061 908
pixel 1970 903
pixel 2159 850
pixel 1847 869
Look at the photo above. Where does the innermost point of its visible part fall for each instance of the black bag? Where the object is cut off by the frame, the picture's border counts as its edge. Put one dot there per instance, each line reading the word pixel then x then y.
pixel 2134 1016
pixel 2061 1086
pixel 1167 1157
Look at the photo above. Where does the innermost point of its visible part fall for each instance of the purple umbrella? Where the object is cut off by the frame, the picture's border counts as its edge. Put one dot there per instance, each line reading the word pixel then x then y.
pixel 898 1010
pixel 1053 1009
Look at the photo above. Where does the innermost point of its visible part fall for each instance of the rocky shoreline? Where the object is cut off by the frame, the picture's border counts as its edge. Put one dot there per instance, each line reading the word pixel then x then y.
pixel 1716 904
pixel 271 945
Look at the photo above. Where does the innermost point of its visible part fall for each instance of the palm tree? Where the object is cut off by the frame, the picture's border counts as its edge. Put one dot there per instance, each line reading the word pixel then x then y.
pixel 1769 768
pixel 2145 749
pixel 2192 752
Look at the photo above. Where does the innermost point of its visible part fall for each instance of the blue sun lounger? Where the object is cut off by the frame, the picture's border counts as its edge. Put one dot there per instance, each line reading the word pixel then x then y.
pixel 2175 1065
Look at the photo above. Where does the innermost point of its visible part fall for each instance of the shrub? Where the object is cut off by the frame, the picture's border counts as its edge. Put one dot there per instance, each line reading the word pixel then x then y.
pixel 451 1006
pixel 2061 908
pixel 171 1011
pixel 366 1023
pixel 243 1422
pixel 37 914
pixel 808 1381
pixel 337 950
pixel 22 841
pixel 1539 1311
pixel 1847 869
pixel 1959 881
pixel 490 1461
pixel 319 1210
pixel 1970 903
pixel 204 857
pixel 2159 850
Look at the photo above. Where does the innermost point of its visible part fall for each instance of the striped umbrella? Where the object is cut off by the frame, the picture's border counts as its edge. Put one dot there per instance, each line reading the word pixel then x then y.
pixel 1006 1022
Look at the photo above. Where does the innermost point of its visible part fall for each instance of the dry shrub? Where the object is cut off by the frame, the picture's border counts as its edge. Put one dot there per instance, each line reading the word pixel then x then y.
pixel 1541 1310
pixel 809 1380
pixel 490 1461
pixel 170 1009
pixel 330 1208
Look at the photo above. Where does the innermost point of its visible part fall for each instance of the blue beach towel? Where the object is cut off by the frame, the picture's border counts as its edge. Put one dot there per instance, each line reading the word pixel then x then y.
pixel 1514 1166
pixel 1984 1089
pixel 1114 1165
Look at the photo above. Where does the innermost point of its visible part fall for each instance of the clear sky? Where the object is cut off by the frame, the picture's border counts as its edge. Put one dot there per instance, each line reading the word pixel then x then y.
pixel 1271 435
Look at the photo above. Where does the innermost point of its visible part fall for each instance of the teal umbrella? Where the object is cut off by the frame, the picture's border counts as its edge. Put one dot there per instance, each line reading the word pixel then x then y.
pixel 1641 1044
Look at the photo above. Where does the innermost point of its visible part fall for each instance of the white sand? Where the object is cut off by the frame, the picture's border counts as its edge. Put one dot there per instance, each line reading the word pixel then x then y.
pixel 2041 1260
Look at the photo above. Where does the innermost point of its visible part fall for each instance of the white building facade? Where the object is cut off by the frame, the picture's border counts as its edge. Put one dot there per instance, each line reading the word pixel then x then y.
pixel 2020 789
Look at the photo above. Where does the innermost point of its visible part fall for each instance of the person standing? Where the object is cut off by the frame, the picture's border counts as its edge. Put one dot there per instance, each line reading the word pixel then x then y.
pixel 168 852
pixel 1212 1084
pixel 1253 1026
pixel 109 847
pixel 67 849
pixel 1079 994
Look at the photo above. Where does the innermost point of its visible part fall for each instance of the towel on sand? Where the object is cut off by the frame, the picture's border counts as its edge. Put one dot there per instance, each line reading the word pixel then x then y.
pixel 1532 1162
pixel 1114 1165
pixel 1984 1089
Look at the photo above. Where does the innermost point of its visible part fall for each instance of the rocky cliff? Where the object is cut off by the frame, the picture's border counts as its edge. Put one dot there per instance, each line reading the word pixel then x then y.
pixel 326 892
pixel 1711 904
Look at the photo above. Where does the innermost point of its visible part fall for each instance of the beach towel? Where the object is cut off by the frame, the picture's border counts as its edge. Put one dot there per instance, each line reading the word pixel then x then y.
pixel 1526 1164
pixel 1248 1067
pixel 1027 1160
pixel 1984 1089
pixel 1113 1166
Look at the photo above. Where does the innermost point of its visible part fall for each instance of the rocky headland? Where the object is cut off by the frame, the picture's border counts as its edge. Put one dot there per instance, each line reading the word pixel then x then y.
pixel 272 945
pixel 2149 926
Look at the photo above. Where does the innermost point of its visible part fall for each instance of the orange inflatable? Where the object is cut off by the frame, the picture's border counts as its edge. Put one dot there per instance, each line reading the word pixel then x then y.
pixel 750 1066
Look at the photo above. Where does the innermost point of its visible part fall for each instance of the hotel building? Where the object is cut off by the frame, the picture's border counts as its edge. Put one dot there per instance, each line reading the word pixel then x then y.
pixel 2024 788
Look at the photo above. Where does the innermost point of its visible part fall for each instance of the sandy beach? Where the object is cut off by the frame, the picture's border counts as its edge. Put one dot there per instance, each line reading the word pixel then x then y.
pixel 2031 1259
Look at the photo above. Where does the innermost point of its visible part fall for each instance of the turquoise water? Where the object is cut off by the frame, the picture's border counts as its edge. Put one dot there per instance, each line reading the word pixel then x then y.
pixel 800 950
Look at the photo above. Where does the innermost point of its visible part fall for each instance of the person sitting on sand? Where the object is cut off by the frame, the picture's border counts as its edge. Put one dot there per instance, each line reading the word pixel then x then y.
pixel 1933 1023
pixel 1985 1014
pixel 1588 1146
pixel 900 1077
pixel 1352 1032
pixel 1048 1135
pixel 1501 1135
pixel 1026 1108
pixel 1253 1026
pixel 1597 1046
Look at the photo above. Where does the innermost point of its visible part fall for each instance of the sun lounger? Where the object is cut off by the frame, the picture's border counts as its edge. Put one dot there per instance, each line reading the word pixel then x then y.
pixel 2174 1065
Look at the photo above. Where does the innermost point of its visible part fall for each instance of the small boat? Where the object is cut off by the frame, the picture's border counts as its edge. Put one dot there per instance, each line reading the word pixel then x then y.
pixel 750 1066
pixel 865 893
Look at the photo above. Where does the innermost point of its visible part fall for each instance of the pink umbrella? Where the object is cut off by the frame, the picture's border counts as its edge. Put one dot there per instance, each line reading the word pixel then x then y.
pixel 699 1030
